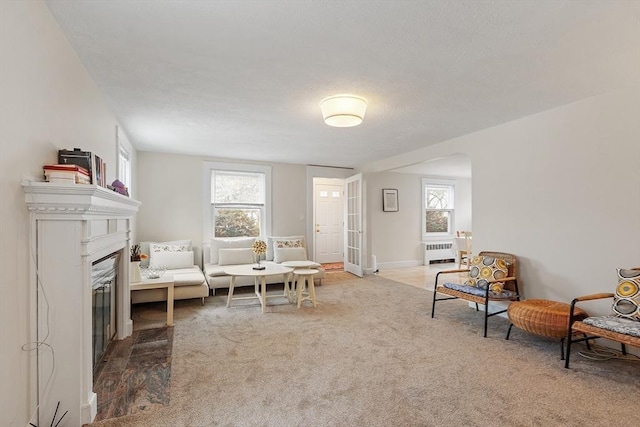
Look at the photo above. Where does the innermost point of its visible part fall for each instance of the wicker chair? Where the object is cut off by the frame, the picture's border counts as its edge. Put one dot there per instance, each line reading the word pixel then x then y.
pixel 592 332
pixel 510 284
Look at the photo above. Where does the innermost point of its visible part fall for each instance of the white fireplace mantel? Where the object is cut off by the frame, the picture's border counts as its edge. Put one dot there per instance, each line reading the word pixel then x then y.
pixel 79 199
pixel 72 226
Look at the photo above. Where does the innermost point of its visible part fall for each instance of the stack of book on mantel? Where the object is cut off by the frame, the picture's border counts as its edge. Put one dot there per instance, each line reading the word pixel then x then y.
pixel 66 174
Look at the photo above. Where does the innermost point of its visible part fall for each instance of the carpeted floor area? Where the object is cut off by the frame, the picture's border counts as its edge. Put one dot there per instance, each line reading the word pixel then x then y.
pixel 370 354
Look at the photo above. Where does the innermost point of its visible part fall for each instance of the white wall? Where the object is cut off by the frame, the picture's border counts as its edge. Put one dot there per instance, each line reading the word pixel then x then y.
pixel 464 205
pixel 395 238
pixel 566 197
pixel 47 102
pixel 171 191
pixel 560 189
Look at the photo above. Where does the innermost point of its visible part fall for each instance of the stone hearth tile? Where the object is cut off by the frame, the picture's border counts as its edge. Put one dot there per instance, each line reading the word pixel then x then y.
pixel 122 348
pixel 115 364
pixel 135 375
pixel 154 390
pixel 149 360
pixel 142 387
pixel 160 346
pixel 106 388
pixel 120 403
pixel 108 382
pixel 152 335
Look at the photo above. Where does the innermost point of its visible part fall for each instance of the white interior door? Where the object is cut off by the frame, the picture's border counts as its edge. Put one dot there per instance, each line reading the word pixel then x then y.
pixel 353 225
pixel 329 220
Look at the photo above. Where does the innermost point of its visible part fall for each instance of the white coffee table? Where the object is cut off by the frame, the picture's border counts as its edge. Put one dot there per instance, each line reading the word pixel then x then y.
pixel 260 280
pixel 162 282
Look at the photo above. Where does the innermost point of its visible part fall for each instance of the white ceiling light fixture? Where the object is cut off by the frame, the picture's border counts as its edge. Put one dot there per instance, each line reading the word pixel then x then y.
pixel 343 111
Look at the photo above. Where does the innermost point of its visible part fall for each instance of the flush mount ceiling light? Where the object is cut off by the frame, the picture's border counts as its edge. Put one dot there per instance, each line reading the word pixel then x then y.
pixel 343 111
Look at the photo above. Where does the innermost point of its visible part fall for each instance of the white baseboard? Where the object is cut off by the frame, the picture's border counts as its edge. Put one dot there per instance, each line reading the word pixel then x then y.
pixel 399 264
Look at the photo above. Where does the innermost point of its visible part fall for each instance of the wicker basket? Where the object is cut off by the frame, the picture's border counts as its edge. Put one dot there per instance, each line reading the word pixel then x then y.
pixel 543 317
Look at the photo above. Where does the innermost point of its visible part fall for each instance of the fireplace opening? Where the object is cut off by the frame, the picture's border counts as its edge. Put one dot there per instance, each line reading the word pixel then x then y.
pixel 104 282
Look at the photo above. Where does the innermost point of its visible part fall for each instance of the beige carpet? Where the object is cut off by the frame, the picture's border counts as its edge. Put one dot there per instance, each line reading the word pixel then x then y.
pixel 370 355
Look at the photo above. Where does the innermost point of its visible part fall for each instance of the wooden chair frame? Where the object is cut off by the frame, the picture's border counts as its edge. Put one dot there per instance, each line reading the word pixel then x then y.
pixel 466 252
pixel 510 283
pixel 592 332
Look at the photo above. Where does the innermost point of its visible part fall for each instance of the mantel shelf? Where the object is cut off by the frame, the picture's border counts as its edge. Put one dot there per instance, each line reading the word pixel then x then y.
pixel 84 199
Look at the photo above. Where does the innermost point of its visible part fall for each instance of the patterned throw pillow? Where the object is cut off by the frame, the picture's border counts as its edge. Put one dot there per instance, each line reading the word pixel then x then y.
pixel 483 269
pixel 297 243
pixel 145 248
pixel 626 302
pixel 163 247
pixel 271 243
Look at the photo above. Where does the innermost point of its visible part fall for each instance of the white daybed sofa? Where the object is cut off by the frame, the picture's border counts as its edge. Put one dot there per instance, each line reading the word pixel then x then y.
pixel 219 253
pixel 178 257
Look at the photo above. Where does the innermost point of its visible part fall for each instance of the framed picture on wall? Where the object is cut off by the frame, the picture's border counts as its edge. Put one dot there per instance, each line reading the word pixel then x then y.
pixel 389 200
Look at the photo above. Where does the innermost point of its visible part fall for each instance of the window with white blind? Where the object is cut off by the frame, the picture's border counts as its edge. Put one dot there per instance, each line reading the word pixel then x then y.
pixel 438 203
pixel 238 200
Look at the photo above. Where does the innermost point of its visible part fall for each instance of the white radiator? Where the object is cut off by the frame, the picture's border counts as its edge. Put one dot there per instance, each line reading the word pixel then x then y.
pixel 437 251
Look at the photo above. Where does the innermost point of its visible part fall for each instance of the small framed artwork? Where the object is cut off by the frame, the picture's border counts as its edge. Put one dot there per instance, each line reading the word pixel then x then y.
pixel 389 200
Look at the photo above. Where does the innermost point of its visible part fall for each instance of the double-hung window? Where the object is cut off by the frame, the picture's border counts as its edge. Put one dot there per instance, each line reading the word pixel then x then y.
pixel 239 200
pixel 438 202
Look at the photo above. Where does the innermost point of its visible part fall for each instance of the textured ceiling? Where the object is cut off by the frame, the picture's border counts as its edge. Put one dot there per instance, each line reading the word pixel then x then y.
pixel 243 79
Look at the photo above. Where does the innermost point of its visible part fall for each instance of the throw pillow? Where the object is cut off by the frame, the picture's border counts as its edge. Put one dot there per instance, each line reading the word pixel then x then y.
pixel 234 256
pixel 626 301
pixel 172 260
pixel 145 248
pixel 483 269
pixel 219 243
pixel 163 247
pixel 270 241
pixel 289 254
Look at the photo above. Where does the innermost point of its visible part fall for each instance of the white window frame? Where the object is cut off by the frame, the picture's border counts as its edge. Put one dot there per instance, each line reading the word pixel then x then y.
pixel 207 210
pixel 124 166
pixel 437 182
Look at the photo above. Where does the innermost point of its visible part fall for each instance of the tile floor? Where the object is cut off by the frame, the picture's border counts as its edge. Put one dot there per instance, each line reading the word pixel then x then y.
pixel 135 373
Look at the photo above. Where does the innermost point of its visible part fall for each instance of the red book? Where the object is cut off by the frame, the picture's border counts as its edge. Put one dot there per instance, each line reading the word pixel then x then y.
pixel 67 167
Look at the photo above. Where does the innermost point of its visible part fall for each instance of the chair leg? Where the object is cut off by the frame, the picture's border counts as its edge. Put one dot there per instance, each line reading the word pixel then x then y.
pixel 566 360
pixel 486 318
pixel 624 349
pixel 477 309
pixel 509 331
pixel 562 348
pixel 433 304
pixel 587 342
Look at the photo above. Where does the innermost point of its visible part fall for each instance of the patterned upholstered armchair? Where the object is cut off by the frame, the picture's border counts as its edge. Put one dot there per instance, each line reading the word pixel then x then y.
pixel 622 326
pixel 491 277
